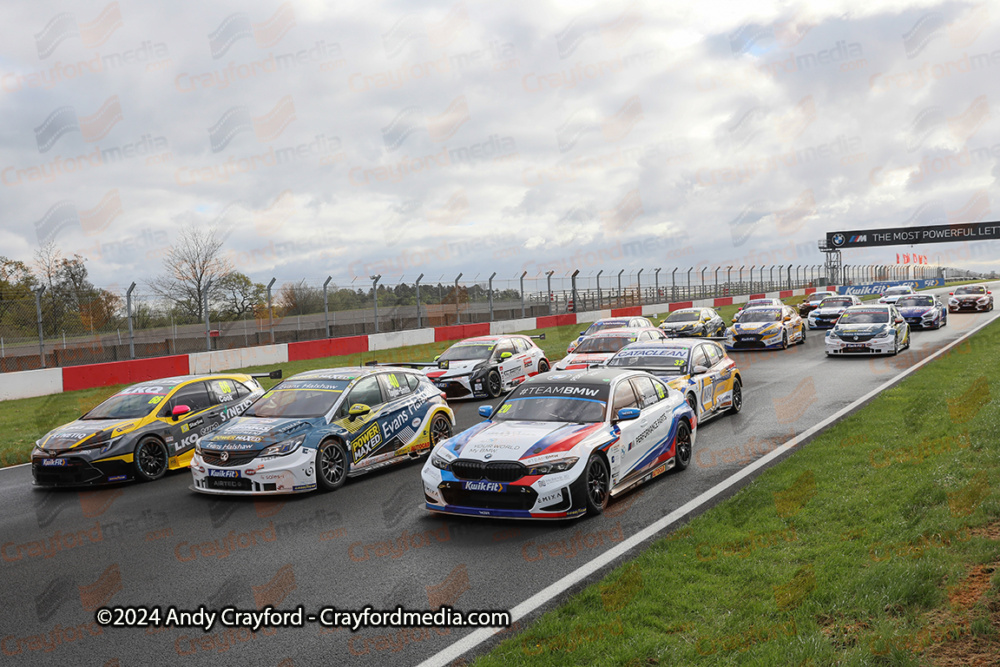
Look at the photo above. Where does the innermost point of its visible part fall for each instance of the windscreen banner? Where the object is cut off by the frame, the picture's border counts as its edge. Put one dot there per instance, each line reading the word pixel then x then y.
pixel 879 288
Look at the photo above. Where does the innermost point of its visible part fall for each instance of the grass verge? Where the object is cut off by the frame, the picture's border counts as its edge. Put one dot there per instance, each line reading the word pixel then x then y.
pixel 876 543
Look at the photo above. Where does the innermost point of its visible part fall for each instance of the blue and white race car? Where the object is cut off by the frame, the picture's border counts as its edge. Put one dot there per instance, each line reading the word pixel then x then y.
pixel 829 310
pixel 561 446
pixel 923 311
pixel 609 323
pixel 893 294
pixel 766 328
pixel 320 427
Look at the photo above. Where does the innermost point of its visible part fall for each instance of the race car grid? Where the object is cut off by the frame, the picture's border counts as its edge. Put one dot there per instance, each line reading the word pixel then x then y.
pixel 370 543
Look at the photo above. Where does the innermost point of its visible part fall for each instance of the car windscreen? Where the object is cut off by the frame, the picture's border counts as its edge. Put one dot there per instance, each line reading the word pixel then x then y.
pixel 864 317
pixel 131 403
pixel 603 326
pixel 892 291
pixel 673 360
pixel 603 344
pixel 684 316
pixel 468 351
pixel 551 402
pixel 836 303
pixel 298 398
pixel 911 301
pixel 819 296
pixel 760 315
pixel 975 289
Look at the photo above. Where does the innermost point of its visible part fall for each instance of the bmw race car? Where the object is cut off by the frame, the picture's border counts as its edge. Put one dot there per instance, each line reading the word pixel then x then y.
pixel 143 430
pixel 825 316
pixel 702 322
pixel 609 323
pixel 320 427
pixel 562 445
pixel 701 370
pixel 893 294
pixel 485 366
pixel 923 311
pixel 766 328
pixel 970 297
pixel 755 303
pixel 874 329
pixel 812 302
pixel 598 349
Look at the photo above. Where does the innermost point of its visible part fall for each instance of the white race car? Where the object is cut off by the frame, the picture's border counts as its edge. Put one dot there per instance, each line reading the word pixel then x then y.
pixel 599 348
pixel 609 323
pixel 561 445
pixel 829 310
pixel 874 329
pixel 893 294
pixel 486 366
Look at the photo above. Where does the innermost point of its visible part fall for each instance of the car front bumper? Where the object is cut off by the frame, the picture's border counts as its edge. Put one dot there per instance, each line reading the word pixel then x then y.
pixel 277 475
pixel 849 347
pixel 78 471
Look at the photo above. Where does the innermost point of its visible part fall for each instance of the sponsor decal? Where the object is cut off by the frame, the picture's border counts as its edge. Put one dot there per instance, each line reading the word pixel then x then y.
pixel 482 485
pixel 152 389
pixel 680 352
pixel 366 443
pixel 54 462
pixel 539 390
pixel 231 474
pixel 117 478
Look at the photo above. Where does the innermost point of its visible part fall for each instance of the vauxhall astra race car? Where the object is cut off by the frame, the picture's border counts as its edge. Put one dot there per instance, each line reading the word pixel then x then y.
pixel 766 328
pixel 923 311
pixel 812 302
pixel 142 431
pixel 893 294
pixel 874 329
pixel 701 370
pixel 699 322
pixel 562 445
pixel 609 323
pixel 320 427
pixel 485 366
pixel 598 348
pixel 755 303
pixel 830 309
pixel 970 297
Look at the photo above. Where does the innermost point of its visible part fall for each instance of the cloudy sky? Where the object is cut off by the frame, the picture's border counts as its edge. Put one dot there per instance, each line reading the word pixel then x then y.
pixel 404 138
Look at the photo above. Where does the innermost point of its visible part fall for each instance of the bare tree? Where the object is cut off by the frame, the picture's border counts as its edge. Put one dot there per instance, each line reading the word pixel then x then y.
pixel 195 265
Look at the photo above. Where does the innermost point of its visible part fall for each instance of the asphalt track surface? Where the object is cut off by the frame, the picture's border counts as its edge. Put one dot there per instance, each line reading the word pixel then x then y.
pixel 370 543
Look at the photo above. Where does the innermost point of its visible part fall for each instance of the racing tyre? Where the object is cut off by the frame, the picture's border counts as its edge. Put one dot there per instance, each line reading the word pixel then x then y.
pixel 802 339
pixel 543 366
pixel 440 430
pixel 737 398
pixel 682 445
pixel 693 402
pixel 895 348
pixel 331 465
pixel 493 383
pixel 150 459
pixel 598 485
pixel 784 340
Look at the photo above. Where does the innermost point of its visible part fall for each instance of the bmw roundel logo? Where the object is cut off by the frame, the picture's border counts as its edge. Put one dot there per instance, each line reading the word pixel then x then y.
pixel 488 456
pixel 838 239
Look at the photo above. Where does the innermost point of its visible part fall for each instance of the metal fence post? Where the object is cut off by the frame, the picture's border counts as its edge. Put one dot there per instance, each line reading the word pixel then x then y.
pixel 703 269
pixel 270 311
pixel 741 278
pixel 576 298
pixel 522 292
pixel 751 277
pixel 458 313
pixel 492 276
pixel 600 301
pixel 729 284
pixel 789 277
pixel 208 337
pixel 548 277
pixel 715 287
pixel 128 311
pixel 620 287
pixel 375 280
pixel 689 282
pixel 673 284
pixel 638 285
pixel 418 300
pixel 656 280
pixel 41 336
pixel 326 306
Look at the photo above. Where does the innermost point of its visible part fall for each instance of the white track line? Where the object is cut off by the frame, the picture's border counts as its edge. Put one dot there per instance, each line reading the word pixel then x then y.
pixel 477 637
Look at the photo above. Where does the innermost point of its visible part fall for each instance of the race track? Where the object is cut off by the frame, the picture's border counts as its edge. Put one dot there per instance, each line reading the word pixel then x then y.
pixel 369 543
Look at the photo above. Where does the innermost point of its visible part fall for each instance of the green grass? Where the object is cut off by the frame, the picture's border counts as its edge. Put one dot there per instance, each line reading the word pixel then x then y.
pixel 842 554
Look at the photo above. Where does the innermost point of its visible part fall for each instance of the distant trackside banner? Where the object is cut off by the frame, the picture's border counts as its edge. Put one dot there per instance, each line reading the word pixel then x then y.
pixel 963 231
pixel 879 288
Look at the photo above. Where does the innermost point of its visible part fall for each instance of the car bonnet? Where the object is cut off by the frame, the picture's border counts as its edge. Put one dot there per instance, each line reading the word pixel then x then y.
pixel 82 431
pixel 255 433
pixel 516 440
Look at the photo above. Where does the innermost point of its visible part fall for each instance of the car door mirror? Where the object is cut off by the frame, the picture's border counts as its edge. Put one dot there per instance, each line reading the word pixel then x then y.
pixel 179 411
pixel 582 333
pixel 437 357
pixel 898 320
pixel 627 414
pixel 699 370
pixel 485 411
pixel 787 318
pixel 358 410
pixel 504 356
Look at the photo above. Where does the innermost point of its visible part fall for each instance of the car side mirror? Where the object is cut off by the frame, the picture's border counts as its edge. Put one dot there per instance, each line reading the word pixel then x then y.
pixel 951 294
pixel 358 410
pixel 787 318
pixel 485 411
pixel 179 411
pixel 898 320
pixel 582 332
pixel 627 414
pixel 699 370
pixel 505 355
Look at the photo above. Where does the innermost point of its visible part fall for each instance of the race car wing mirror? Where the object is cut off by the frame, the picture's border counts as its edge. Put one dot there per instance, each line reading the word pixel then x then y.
pixel 358 410
pixel 505 355
pixel 787 318
pixel 485 411
pixel 437 357
pixel 179 411
pixel 699 370
pixel 626 414
pixel 898 320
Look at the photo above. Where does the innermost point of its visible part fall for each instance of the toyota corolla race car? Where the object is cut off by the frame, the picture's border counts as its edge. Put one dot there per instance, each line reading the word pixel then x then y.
pixel 561 445
pixel 766 328
pixel 485 366
pixel 755 303
pixel 701 322
pixel 922 311
pixel 874 329
pixel 825 316
pixel 609 323
pixel 700 370
pixel 142 431
pixel 893 294
pixel 970 297
pixel 320 427
pixel 812 302
pixel 598 349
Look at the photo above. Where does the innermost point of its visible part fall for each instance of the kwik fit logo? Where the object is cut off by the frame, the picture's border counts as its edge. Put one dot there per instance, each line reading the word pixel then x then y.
pixel 484 486
pixel 65 120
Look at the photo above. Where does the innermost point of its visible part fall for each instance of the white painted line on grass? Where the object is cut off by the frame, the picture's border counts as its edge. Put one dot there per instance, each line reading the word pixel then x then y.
pixel 477 637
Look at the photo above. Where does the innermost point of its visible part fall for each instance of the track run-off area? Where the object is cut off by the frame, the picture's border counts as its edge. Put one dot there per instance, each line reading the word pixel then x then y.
pixel 64 554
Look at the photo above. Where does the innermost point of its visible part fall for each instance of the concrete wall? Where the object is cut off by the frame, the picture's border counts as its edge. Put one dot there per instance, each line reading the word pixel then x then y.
pixel 27 384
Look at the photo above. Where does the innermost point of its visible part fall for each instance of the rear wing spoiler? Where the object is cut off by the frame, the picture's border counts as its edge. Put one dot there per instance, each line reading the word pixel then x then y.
pixel 538 337
pixel 407 364
pixel 273 375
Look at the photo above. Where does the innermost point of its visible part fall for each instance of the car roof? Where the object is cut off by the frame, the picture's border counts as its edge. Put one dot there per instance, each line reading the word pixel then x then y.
pixel 677 343
pixel 763 307
pixel 619 333
pixel 342 373
pixel 692 309
pixel 175 380
pixel 870 305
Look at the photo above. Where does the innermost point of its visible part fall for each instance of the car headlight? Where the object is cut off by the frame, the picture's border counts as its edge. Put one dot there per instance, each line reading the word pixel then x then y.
pixel 832 335
pixel 103 445
pixel 440 463
pixel 550 467
pixel 284 447
pixel 952 300
pixel 984 299
pixel 884 333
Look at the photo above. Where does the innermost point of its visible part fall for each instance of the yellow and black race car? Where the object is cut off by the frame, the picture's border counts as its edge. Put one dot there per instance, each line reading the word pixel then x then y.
pixel 143 430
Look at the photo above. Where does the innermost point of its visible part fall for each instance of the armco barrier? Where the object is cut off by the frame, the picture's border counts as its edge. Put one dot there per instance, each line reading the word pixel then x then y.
pixel 27 384
pixel 123 372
